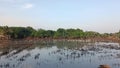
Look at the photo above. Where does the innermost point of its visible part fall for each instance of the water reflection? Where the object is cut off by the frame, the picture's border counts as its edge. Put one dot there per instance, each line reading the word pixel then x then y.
pixel 59 54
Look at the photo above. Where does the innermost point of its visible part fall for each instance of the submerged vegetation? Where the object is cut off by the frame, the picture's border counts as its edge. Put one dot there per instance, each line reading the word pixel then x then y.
pixel 29 32
pixel 57 54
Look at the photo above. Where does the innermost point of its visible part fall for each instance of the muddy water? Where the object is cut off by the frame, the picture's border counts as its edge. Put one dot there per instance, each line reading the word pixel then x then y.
pixel 59 54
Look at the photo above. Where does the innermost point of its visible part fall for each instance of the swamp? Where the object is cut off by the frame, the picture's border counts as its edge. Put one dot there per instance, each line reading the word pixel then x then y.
pixel 58 54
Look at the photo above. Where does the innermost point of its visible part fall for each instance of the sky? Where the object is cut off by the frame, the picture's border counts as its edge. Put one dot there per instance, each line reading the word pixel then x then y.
pixel 90 15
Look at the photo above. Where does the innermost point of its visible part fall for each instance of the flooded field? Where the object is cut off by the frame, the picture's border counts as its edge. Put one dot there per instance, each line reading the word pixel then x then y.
pixel 59 54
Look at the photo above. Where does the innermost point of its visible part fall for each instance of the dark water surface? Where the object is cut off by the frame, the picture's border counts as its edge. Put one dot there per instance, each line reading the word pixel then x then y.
pixel 59 54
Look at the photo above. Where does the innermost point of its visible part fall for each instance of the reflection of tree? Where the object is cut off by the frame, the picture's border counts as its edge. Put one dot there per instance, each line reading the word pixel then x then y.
pixel 16 46
pixel 70 44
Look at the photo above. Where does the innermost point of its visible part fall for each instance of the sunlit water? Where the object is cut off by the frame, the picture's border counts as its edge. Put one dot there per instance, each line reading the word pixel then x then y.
pixel 59 54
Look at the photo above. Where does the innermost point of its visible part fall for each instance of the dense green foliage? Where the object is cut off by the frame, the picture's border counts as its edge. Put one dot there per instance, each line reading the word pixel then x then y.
pixel 24 32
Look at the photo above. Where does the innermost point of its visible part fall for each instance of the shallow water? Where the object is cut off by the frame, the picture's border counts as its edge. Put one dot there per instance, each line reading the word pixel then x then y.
pixel 59 54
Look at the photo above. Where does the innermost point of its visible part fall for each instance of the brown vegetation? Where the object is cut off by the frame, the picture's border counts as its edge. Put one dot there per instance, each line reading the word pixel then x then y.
pixel 104 66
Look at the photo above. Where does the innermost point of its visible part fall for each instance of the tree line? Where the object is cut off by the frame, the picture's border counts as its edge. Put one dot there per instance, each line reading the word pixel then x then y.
pixel 24 32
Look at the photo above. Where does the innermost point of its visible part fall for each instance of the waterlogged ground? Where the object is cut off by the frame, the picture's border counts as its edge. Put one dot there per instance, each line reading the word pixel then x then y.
pixel 59 54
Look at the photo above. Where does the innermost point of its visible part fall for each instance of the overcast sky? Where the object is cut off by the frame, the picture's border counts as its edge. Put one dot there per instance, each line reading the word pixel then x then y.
pixel 95 15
